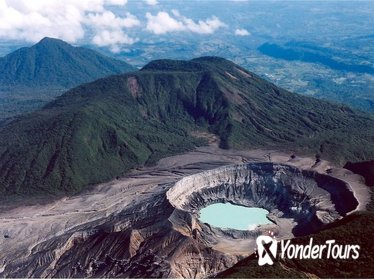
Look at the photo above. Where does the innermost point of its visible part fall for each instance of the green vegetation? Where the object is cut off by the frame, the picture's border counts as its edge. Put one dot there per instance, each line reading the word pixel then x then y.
pixel 103 129
pixel 30 77
pixel 357 228
pixel 333 74
pixel 53 62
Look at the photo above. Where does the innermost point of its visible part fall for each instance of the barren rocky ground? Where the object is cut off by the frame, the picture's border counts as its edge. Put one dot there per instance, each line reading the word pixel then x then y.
pixel 110 230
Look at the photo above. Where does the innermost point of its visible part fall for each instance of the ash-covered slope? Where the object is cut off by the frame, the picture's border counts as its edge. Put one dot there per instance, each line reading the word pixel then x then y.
pixel 365 169
pixel 356 228
pixel 154 231
pixel 101 130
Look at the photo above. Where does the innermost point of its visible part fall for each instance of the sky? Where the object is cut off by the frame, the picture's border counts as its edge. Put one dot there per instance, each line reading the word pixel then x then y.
pixel 139 31
pixel 104 23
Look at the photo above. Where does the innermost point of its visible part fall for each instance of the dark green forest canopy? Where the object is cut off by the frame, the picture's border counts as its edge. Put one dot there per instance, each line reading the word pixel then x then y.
pixel 55 63
pixel 33 76
pixel 103 129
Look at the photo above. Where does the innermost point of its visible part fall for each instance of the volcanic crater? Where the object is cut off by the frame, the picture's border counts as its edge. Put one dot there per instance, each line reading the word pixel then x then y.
pixel 147 225
pixel 299 201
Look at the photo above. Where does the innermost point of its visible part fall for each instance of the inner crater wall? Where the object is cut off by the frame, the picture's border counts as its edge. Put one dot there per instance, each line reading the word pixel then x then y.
pixel 309 198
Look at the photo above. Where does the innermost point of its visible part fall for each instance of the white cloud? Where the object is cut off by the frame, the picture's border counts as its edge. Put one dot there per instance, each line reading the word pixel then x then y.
pixel 176 13
pixel 90 20
pixel 204 27
pixel 162 23
pixel 242 32
pixel 151 2
pixel 116 2
pixel 109 29
pixel 109 20
pixel 67 20
pixel 113 39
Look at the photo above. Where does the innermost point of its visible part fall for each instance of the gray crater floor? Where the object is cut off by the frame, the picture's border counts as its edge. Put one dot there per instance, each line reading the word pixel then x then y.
pixel 146 224
pixel 299 201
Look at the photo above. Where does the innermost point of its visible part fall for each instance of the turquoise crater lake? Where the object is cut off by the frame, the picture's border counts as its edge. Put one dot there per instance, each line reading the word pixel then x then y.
pixel 227 215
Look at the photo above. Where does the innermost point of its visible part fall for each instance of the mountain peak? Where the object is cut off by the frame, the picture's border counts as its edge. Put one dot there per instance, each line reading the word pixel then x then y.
pixel 197 64
pixel 121 122
pixel 211 59
pixel 172 65
pixel 56 64
pixel 49 41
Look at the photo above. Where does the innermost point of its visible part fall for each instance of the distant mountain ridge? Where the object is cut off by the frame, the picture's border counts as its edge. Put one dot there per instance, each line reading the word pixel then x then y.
pixel 290 54
pixel 31 76
pixel 53 62
pixel 353 92
pixel 102 129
